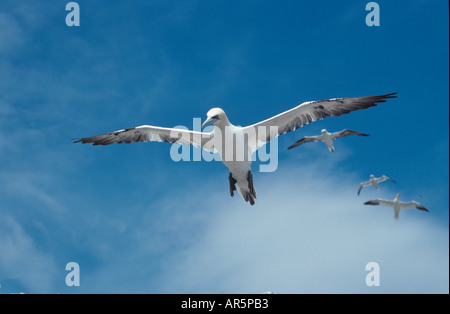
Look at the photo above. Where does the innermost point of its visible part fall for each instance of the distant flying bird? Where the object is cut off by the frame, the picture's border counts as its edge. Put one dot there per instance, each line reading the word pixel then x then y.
pixel 257 134
pixel 327 138
pixel 374 181
pixel 397 205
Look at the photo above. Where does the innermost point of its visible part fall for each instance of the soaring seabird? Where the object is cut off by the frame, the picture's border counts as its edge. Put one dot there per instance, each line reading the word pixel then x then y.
pixel 374 181
pixel 327 138
pixel 397 205
pixel 256 135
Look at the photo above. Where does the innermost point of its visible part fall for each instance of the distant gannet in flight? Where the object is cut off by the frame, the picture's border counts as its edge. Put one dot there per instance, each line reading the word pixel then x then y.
pixel 257 134
pixel 374 181
pixel 397 205
pixel 327 138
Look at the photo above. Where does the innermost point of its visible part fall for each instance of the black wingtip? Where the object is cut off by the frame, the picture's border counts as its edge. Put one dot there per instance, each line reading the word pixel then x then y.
pixel 383 98
pixel 391 95
pixel 294 145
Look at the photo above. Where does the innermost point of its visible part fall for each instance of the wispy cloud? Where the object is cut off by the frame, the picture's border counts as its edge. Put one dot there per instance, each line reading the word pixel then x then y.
pixel 21 263
pixel 308 233
pixel 317 239
pixel 136 223
pixel 11 33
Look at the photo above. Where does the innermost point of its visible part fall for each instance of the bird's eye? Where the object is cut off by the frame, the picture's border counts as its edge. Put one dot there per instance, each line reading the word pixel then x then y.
pixel 216 117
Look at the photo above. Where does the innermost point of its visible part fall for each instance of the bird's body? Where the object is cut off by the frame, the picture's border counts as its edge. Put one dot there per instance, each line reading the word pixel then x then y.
pixel 374 181
pixel 237 157
pixel 397 205
pixel 327 138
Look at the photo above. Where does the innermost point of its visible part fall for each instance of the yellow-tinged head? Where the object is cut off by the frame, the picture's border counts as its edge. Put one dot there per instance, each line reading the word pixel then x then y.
pixel 217 117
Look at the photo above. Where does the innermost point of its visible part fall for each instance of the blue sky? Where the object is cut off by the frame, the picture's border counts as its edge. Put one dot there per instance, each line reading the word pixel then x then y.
pixel 137 222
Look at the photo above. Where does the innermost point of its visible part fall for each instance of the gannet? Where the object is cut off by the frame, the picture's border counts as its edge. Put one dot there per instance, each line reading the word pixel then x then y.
pixel 240 175
pixel 374 181
pixel 327 138
pixel 397 205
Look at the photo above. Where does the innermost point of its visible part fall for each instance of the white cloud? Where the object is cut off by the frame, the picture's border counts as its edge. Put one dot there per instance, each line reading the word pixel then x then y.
pixel 31 186
pixel 308 233
pixel 311 235
pixel 21 261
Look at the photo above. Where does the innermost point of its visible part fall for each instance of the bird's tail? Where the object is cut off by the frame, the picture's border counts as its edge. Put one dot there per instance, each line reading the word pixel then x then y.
pixel 245 187
pixel 232 181
pixel 250 198
pixel 251 194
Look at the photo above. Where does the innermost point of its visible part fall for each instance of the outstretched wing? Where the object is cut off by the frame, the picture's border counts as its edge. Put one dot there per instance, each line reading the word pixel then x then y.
pixel 148 133
pixel 346 132
pixel 312 111
pixel 384 178
pixel 306 139
pixel 363 184
pixel 379 202
pixel 421 207
pixel 412 205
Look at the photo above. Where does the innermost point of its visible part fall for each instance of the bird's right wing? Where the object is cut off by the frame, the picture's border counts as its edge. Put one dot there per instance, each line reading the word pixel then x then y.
pixel 360 188
pixel 363 184
pixel 379 202
pixel 148 133
pixel 306 139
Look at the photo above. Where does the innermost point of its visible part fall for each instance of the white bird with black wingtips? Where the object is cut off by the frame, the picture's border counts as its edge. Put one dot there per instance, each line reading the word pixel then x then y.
pixel 397 205
pixel 240 175
pixel 374 181
pixel 327 138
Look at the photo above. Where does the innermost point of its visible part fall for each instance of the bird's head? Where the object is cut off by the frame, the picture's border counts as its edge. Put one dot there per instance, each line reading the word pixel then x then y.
pixel 324 131
pixel 217 117
pixel 372 176
pixel 397 197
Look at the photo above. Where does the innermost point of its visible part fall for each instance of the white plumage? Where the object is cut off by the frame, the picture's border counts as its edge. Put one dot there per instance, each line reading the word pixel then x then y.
pixel 327 138
pixel 374 181
pixel 258 134
pixel 397 205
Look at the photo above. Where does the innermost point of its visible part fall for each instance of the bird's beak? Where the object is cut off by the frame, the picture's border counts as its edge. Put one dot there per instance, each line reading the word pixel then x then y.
pixel 210 120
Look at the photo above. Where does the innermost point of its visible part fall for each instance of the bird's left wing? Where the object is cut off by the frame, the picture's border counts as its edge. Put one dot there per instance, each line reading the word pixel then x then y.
pixel 311 111
pixel 346 132
pixel 148 133
pixel 412 205
pixel 363 184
